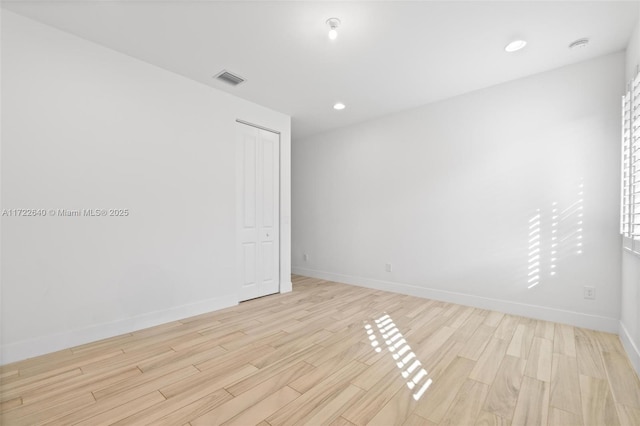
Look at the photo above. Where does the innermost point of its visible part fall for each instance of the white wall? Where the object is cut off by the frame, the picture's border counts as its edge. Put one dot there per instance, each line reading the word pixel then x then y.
pixel 86 127
pixel 445 193
pixel 633 53
pixel 630 316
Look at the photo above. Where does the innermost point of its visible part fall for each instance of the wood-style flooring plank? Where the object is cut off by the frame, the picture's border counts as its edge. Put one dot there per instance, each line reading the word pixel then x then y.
pixel 628 416
pixel 10 404
pixel 340 421
pixel 361 411
pixel 545 330
pixel 588 355
pixel 559 417
pixel 40 415
pixel 489 419
pixel 246 400
pixel 176 410
pixel 394 412
pixel 564 341
pixel 331 411
pixel 467 404
pixel 51 402
pixel 493 319
pixel 30 384
pixel 474 347
pixel 625 385
pixel 489 362
pixel 532 407
pixel 263 409
pixel 540 359
pixel 308 357
pixel 317 397
pixel 415 420
pixel 442 392
pixel 161 376
pixel 565 385
pixel 124 410
pixel 507 327
pixel 267 372
pixel 505 389
pixel 521 341
pixel 182 403
pixel 598 407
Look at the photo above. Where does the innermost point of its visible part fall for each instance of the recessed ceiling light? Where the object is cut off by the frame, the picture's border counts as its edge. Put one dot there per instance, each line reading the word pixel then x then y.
pixel 333 24
pixel 581 42
pixel 339 106
pixel 515 45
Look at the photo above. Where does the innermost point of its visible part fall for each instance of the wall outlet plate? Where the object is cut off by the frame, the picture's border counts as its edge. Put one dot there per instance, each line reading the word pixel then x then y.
pixel 589 292
pixel 388 267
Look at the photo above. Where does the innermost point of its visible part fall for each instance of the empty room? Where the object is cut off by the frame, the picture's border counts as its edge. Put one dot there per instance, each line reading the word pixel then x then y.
pixel 319 213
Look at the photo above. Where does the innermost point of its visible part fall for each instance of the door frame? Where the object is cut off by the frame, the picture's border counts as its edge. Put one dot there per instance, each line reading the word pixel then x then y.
pixel 279 218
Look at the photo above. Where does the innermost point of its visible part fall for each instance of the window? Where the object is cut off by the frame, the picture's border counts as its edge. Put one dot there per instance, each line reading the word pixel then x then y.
pixel 630 209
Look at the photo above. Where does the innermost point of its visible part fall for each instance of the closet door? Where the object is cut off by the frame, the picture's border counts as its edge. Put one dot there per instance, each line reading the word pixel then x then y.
pixel 258 211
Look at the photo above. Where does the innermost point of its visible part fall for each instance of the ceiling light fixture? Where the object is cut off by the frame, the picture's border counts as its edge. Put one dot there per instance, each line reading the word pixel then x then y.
pixel 581 42
pixel 339 106
pixel 515 45
pixel 333 24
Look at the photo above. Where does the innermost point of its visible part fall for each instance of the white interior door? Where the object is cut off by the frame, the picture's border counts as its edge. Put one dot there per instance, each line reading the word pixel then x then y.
pixel 258 210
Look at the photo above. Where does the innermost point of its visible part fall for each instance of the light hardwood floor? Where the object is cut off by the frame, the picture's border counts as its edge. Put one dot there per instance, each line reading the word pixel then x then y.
pixel 309 357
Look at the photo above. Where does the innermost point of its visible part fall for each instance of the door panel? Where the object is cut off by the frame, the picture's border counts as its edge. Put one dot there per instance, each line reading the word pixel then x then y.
pixel 267 253
pixel 249 261
pixel 258 186
pixel 249 168
pixel 267 184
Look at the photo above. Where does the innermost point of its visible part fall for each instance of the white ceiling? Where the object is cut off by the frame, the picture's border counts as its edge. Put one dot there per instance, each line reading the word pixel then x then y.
pixel 389 56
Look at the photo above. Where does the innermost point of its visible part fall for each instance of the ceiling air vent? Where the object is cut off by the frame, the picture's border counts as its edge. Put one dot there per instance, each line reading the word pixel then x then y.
pixel 229 78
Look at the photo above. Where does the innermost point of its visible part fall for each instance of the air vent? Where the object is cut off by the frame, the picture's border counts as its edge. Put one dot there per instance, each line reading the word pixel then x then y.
pixel 229 78
pixel 579 43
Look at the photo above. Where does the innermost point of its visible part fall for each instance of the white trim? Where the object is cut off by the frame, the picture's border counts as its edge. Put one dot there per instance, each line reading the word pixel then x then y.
pixel 286 287
pixel 630 245
pixel 630 347
pixel 578 319
pixel 632 251
pixel 257 126
pixel 46 344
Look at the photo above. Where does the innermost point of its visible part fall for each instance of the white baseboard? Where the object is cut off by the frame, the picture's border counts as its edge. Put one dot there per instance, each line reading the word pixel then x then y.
pixel 630 346
pixel 42 345
pixel 578 319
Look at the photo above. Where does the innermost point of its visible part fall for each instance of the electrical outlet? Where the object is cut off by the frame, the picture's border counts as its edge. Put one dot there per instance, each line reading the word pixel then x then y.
pixel 388 267
pixel 589 292
pixel 305 257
